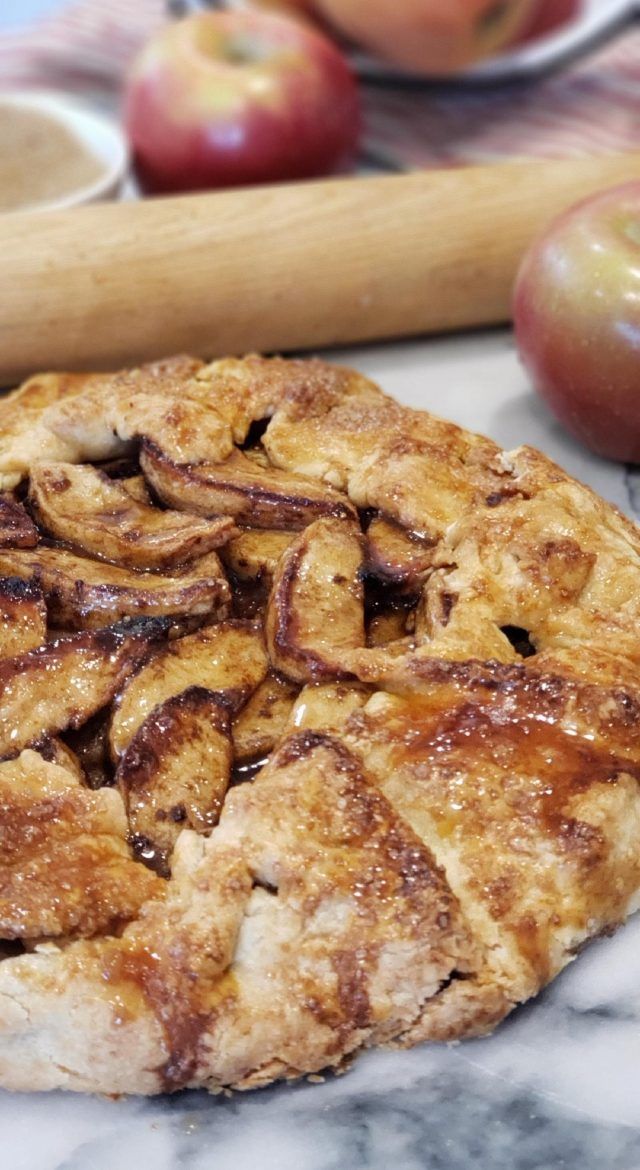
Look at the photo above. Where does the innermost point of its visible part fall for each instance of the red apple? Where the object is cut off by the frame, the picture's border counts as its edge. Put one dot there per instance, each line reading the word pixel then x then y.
pixel 549 17
pixel 429 36
pixel 577 320
pixel 227 98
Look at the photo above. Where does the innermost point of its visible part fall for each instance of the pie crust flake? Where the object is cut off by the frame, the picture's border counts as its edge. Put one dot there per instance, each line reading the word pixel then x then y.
pixel 319 725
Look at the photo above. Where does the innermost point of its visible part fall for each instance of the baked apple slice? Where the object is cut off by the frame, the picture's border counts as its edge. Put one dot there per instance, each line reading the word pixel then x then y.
pixel 263 720
pixel 23 616
pixel 17 529
pixel 62 683
pixel 315 614
pixel 65 867
pixel 98 515
pixel 253 555
pixel 228 658
pixel 256 496
pixel 87 594
pixel 175 772
pixel 136 486
pixel 327 707
pixel 396 556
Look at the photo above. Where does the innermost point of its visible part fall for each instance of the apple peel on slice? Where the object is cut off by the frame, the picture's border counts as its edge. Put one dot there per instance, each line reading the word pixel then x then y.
pixel 259 497
pixel 315 613
pixel 100 516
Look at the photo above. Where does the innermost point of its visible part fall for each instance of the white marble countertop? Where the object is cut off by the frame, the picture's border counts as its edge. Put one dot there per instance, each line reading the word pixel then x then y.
pixel 555 1087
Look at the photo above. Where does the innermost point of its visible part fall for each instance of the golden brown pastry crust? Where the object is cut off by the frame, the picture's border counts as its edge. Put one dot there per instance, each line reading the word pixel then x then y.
pixel 393 744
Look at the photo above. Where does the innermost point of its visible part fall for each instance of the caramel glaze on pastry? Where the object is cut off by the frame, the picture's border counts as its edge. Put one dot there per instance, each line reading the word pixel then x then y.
pixel 319 725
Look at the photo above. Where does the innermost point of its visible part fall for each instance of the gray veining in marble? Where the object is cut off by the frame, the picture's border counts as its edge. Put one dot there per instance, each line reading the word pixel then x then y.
pixel 555 1088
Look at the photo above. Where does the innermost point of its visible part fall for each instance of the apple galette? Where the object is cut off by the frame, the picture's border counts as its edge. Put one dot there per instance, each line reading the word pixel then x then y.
pixel 319 725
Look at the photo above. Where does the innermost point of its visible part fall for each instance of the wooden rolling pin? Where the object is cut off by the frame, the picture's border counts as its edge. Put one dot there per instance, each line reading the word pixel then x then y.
pixel 277 268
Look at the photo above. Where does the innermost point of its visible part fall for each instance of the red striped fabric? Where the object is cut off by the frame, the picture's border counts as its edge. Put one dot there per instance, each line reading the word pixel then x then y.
pixel 85 46
pixel 593 106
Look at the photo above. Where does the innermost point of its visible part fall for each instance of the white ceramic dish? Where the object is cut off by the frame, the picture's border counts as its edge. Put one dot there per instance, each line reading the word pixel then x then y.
pixel 100 135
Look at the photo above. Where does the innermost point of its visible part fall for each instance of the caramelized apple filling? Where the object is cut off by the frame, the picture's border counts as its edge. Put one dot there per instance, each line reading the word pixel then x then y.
pixel 318 725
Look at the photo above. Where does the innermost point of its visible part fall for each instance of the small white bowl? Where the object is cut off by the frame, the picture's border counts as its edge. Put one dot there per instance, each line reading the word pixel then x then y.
pixel 100 136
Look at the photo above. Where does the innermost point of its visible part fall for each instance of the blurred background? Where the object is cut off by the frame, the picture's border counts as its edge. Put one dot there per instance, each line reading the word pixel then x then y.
pixel 256 91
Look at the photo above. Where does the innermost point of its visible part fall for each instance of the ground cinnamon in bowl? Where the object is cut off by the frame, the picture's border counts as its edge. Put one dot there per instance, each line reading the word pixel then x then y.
pixel 41 160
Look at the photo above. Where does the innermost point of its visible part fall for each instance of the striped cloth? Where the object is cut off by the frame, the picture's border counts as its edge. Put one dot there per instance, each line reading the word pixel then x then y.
pixel 84 47
pixel 593 106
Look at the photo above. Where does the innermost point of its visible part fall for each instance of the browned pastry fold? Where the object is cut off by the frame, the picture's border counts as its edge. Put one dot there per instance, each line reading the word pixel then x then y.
pixel 389 807
pixel 65 868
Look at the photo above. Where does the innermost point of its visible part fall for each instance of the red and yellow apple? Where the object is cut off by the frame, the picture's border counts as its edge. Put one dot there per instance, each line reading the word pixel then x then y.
pixel 576 312
pixel 429 36
pixel 227 98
